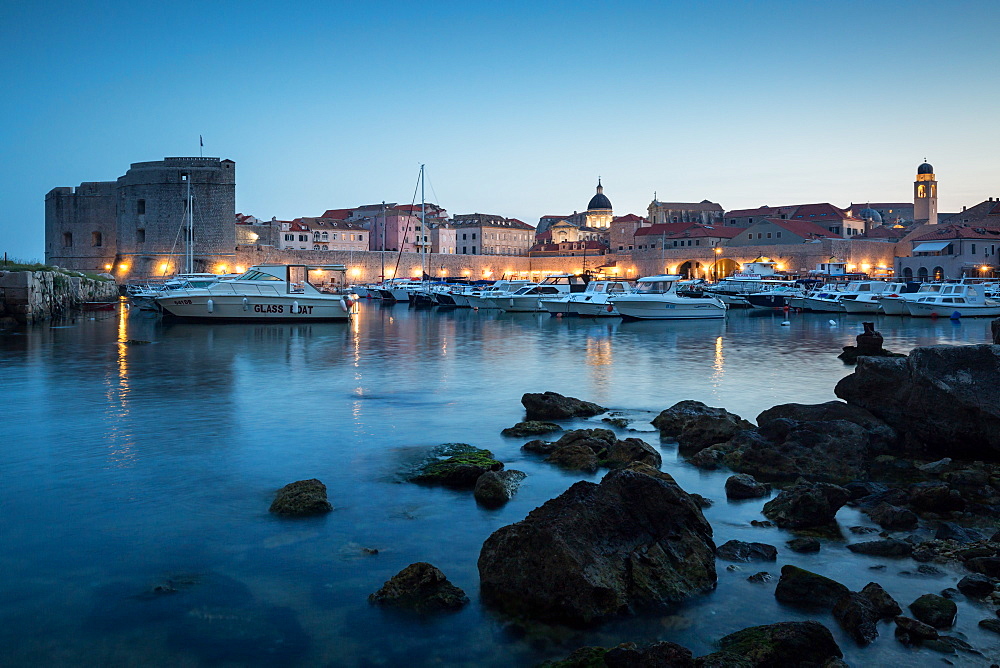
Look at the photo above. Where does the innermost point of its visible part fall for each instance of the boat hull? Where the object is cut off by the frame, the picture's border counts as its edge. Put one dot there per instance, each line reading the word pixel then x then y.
pixel 926 310
pixel 642 309
pixel 239 308
pixel 859 306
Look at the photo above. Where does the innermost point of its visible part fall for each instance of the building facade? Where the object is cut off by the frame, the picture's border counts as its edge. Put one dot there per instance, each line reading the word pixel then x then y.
pixel 925 196
pixel 489 234
pixel 704 212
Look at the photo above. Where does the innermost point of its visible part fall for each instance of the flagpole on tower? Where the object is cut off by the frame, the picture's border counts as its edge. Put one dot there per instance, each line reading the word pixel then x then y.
pixel 201 147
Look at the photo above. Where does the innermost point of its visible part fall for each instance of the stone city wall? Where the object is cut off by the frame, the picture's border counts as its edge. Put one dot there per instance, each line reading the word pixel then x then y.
pixel 33 296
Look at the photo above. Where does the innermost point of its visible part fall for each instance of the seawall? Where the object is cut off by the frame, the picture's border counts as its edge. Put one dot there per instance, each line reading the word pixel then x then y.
pixel 33 296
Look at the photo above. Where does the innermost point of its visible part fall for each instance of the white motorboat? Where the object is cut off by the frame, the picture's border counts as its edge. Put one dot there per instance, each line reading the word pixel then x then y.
pixel 481 298
pixel 595 301
pixel 271 293
pixel 143 295
pixel 528 299
pixel 778 296
pixel 895 304
pixel 968 301
pixel 656 298
pixel 867 301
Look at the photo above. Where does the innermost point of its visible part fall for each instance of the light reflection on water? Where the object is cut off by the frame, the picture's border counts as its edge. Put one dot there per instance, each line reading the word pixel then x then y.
pixel 126 466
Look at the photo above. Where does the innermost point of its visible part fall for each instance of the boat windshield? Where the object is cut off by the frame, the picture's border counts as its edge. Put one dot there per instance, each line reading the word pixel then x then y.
pixel 255 275
pixel 654 287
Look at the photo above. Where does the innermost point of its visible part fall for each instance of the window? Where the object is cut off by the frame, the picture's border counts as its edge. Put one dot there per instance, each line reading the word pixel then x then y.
pixel 973 246
pixel 361 237
pixel 140 207
pixel 289 237
pixel 777 234
pixel 316 247
pixel 96 239
pixel 67 239
pixel 140 236
pixel 184 176
pixel 303 237
pixel 325 247
pixel 326 236
pixel 473 248
pixel 473 238
pixel 768 235
pixel 463 239
pixel 697 242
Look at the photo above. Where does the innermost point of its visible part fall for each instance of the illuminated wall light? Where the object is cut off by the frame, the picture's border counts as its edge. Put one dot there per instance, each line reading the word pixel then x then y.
pixel 107 267
pixel 240 269
pixel 865 266
pixel 163 267
pixel 221 269
pixel 355 272
pixel 123 266
pixel 466 272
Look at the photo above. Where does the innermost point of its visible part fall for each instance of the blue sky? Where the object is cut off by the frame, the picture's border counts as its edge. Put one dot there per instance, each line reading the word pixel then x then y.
pixel 515 108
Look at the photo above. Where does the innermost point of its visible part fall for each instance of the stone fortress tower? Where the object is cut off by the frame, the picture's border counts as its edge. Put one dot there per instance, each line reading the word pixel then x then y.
pixel 925 196
pixel 134 226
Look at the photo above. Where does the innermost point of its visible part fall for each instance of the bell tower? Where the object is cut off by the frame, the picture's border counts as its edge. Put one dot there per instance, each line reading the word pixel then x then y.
pixel 925 196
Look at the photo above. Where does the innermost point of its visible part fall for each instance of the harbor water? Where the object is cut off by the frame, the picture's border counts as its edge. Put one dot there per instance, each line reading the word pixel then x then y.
pixel 137 479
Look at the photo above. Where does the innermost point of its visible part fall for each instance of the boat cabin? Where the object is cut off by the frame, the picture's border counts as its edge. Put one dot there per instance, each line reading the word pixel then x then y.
pixel 657 285
pixel 564 283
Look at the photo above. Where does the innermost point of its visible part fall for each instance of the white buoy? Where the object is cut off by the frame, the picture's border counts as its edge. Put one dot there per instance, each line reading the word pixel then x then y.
pixel 786 323
pixel 833 323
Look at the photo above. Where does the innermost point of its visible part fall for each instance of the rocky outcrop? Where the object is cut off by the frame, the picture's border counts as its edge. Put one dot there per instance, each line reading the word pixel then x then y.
pixel 976 585
pixel 598 550
pixel 893 518
pixel 697 426
pixel 885 547
pixel 912 632
pixel 531 428
pixel 301 498
pixel 804 545
pixel 743 486
pixel 806 505
pixel 943 400
pixel 554 406
pixel 495 488
pixel 628 655
pixel 869 344
pixel 884 604
pixel 882 436
pixel 783 644
pixel 455 465
pixel 803 588
pixel 857 616
pixel 588 449
pixel 422 588
pixel 783 449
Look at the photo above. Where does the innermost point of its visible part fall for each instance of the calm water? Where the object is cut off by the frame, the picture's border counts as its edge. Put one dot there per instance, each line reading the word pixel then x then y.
pixel 127 467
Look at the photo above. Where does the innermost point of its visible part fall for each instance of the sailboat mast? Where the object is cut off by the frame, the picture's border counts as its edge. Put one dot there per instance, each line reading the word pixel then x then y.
pixel 423 225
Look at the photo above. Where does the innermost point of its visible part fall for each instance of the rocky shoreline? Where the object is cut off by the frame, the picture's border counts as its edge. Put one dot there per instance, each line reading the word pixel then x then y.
pixel 914 445
pixel 33 296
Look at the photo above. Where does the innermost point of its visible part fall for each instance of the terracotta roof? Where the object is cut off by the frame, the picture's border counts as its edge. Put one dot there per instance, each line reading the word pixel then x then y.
pixel 629 218
pixel 336 214
pixel 716 231
pixel 947 232
pixel 884 232
pixel 703 205
pixel 765 211
pixel 825 210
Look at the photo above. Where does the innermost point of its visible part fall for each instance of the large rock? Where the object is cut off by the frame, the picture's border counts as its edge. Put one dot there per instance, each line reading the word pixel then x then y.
pixel 531 428
pixel 806 505
pixel 781 644
pixel 935 497
pixel 943 400
pixel 893 518
pixel 743 486
pixel 912 632
pixel 976 585
pixel 554 406
pixel 574 458
pixel 495 488
pixel 937 611
pixel 800 587
pixel 301 498
pixel 885 605
pixel 697 426
pixel 883 437
pixel 422 588
pixel 856 615
pixel 738 550
pixel 884 547
pixel 661 654
pixel 626 451
pixel 597 550
pixel 783 449
pixel 456 465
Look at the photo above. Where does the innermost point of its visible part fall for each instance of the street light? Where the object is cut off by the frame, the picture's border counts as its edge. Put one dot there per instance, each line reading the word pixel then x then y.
pixel 718 252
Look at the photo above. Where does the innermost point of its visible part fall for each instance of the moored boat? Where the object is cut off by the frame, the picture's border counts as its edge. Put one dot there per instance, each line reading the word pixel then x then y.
pixel 656 298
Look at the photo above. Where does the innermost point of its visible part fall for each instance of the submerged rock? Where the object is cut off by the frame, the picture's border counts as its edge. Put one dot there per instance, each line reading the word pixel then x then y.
pixel 912 632
pixel 598 550
pixel 495 488
pixel 623 452
pixel 627 655
pixel 587 449
pixel 798 586
pixel 456 465
pixel 531 428
pixel 554 406
pixel 976 585
pixel 944 400
pixel 737 550
pixel 697 426
pixel 806 505
pixel 422 588
pixel 301 498
pixel 743 486
pixel 782 644
pixel 574 458
pixel 804 545
pixel 937 611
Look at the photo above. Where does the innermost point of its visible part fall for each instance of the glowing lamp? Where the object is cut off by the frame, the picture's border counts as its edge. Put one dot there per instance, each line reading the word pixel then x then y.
pixel 865 267
pixel 107 267
pixel 164 267
pixel 984 268
pixel 240 270
pixel 123 266
pixel 355 272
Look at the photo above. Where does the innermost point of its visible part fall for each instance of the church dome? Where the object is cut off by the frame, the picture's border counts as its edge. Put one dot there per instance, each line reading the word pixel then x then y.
pixel 871 215
pixel 925 168
pixel 600 200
